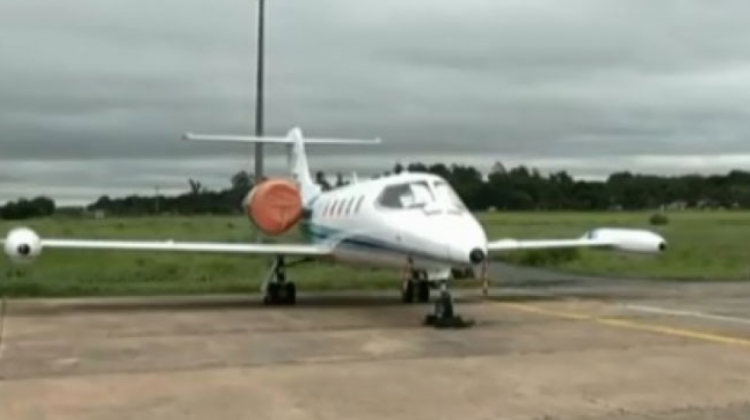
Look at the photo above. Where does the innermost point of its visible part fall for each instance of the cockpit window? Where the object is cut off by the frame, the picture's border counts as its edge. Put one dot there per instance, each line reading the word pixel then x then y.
pixel 413 195
pixel 447 197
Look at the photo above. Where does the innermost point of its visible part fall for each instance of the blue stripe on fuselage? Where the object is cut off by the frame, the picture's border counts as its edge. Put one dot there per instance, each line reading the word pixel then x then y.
pixel 319 233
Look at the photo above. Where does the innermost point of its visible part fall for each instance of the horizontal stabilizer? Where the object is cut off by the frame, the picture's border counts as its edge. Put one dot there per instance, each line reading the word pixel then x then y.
pixel 295 144
pixel 230 138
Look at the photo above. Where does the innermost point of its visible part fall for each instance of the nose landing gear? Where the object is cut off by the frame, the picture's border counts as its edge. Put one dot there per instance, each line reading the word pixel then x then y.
pixel 416 287
pixel 443 315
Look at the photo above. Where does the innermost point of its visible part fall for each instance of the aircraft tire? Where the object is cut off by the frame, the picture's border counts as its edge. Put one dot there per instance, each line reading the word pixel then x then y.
pixel 272 294
pixel 290 293
pixel 407 294
pixel 423 291
pixel 444 307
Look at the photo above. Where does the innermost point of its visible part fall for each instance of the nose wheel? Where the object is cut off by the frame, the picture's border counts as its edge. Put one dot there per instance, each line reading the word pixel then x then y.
pixel 443 315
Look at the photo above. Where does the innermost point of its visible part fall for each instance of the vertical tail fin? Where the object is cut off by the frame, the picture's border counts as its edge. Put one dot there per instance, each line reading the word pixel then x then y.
pixel 298 166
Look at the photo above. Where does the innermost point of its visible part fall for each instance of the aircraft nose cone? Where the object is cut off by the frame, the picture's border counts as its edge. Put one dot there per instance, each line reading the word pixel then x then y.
pixel 476 256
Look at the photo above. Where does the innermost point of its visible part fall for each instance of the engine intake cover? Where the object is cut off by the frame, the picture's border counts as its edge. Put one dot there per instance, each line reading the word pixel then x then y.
pixel 274 206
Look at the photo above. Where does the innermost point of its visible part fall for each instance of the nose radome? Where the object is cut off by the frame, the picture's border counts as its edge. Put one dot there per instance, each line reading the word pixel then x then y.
pixel 476 256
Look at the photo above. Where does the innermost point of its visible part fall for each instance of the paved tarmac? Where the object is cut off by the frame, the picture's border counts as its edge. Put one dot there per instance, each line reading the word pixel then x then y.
pixel 545 346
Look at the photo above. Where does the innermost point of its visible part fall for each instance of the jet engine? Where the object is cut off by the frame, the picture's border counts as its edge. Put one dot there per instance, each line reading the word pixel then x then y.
pixel 22 245
pixel 630 240
pixel 274 206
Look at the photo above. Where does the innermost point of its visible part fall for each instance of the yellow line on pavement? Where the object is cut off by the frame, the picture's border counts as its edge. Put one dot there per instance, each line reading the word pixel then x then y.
pixel 632 325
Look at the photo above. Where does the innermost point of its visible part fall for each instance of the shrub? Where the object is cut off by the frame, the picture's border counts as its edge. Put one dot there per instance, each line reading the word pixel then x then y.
pixel 543 258
pixel 658 219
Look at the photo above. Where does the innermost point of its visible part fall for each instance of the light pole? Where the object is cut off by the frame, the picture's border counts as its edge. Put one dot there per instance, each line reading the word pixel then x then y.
pixel 259 92
pixel 259 98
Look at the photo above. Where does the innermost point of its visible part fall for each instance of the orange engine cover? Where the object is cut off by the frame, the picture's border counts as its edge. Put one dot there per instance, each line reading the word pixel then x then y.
pixel 275 206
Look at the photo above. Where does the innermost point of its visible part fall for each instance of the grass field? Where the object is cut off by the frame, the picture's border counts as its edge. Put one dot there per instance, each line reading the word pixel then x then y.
pixel 703 246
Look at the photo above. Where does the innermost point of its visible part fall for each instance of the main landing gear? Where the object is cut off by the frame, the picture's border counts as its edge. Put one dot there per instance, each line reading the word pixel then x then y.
pixel 416 288
pixel 278 290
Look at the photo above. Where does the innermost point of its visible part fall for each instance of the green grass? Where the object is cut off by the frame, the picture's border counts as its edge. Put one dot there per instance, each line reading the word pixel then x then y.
pixel 704 246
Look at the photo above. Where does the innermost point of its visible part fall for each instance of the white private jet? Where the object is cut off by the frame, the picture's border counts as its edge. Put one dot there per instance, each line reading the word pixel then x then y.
pixel 409 221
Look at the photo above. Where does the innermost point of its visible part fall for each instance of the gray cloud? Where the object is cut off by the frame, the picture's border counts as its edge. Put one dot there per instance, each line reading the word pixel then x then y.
pixel 659 86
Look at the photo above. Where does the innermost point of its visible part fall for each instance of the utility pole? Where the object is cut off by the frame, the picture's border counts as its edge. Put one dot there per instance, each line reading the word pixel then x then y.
pixel 259 98
pixel 259 92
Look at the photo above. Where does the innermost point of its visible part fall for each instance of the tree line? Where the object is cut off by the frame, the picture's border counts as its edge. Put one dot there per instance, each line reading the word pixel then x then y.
pixel 26 209
pixel 517 188
pixel 521 188
pixel 197 200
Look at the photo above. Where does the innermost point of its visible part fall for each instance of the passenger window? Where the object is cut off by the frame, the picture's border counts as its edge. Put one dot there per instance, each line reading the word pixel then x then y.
pixel 349 206
pixel 340 210
pixel 359 204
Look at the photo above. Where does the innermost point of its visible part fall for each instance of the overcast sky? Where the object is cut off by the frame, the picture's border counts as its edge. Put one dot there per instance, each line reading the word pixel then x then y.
pixel 94 94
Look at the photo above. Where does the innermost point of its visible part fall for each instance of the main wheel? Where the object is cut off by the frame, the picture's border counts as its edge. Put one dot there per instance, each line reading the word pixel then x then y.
pixel 290 292
pixel 423 291
pixel 444 307
pixel 407 294
pixel 272 294
pixel 287 293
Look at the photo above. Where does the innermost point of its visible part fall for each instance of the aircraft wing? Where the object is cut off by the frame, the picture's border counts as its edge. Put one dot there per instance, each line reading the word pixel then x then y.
pixel 207 247
pixel 631 240
pixel 24 244
pixel 515 244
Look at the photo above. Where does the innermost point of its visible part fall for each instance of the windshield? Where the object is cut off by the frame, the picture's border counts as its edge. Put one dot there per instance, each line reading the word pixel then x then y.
pixel 412 195
pixel 447 198
pixel 420 195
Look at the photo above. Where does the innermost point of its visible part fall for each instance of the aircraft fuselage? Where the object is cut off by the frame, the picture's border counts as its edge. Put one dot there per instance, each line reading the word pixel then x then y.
pixel 411 218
